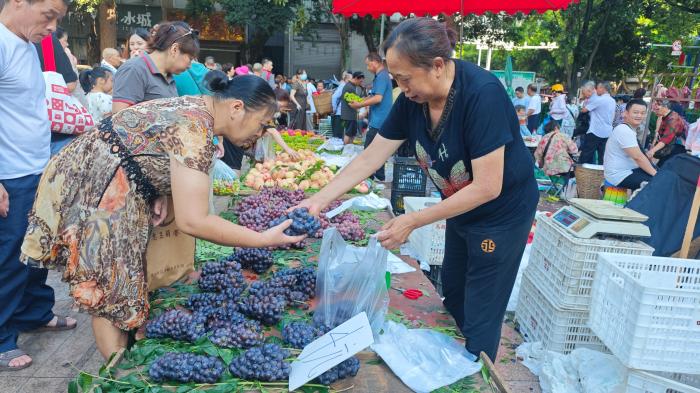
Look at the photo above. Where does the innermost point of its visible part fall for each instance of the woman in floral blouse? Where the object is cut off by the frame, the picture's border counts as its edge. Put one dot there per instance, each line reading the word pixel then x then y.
pixel 101 196
pixel 554 152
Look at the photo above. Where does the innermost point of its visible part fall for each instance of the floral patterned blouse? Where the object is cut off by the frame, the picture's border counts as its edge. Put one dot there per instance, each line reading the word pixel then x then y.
pixel 558 156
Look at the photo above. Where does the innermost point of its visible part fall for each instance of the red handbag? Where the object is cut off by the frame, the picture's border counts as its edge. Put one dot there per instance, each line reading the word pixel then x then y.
pixel 66 114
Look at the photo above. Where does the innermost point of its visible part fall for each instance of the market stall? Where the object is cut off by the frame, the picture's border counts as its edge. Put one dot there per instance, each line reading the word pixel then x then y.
pixel 225 293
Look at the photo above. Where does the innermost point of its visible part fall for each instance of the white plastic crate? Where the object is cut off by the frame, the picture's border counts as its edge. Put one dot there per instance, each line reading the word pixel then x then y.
pixel 558 329
pixel 646 382
pixel 428 241
pixel 566 264
pixel 647 311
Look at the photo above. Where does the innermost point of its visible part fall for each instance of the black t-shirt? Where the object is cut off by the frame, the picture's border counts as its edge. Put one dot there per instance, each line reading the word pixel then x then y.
pixel 478 119
pixel 63 65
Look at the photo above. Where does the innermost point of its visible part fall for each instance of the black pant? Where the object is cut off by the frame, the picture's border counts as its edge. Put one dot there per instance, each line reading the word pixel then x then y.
pixel 634 180
pixel 371 133
pixel 337 126
pixel 350 128
pixel 478 273
pixel 591 145
pixel 533 123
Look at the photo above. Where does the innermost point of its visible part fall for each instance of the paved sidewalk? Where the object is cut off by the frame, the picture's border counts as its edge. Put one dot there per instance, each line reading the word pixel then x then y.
pixel 58 355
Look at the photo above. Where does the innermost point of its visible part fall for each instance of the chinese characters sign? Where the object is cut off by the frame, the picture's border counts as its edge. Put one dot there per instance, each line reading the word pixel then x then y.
pixel 130 17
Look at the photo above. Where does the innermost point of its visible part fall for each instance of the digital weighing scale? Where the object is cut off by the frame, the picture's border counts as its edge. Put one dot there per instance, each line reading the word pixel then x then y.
pixel 586 218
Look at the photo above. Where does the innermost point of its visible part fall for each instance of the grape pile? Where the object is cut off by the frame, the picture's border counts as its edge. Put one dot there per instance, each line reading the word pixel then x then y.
pixel 244 334
pixel 256 259
pixel 256 211
pixel 348 368
pixel 300 334
pixel 264 363
pixel 186 367
pixel 303 223
pixel 178 325
pixel 348 224
pixel 223 277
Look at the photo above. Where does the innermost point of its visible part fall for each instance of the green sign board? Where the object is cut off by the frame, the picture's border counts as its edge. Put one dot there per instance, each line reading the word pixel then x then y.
pixel 520 78
pixel 130 17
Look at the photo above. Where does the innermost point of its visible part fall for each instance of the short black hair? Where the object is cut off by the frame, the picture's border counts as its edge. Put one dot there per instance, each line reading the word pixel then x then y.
pixel 551 126
pixel 634 102
pixel 520 89
pixel 519 108
pixel 59 33
pixel 374 56
pixel 531 87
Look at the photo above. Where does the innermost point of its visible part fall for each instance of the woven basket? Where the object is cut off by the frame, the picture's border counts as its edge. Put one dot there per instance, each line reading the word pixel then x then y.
pixel 322 102
pixel 588 182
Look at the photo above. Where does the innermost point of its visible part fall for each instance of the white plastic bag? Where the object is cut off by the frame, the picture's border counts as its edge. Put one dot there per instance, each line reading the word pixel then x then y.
pixel 348 283
pixel 265 148
pixel 581 371
pixel 424 359
pixel 369 202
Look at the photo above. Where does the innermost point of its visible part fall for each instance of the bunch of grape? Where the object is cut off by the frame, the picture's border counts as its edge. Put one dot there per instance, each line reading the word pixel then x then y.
pixel 224 316
pixel 264 303
pixel 348 224
pixel 178 325
pixel 303 223
pixel 347 368
pixel 264 363
pixel 304 286
pixel 205 302
pixel 223 277
pixel 186 367
pixel 256 259
pixel 300 334
pixel 243 334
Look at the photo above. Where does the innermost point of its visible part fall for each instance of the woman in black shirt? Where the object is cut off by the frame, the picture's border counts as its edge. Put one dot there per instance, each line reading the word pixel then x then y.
pixel 466 136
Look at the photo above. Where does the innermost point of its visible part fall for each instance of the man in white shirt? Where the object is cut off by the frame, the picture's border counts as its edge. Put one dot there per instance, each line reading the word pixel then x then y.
pixel 534 108
pixel 602 110
pixel 625 164
pixel 25 299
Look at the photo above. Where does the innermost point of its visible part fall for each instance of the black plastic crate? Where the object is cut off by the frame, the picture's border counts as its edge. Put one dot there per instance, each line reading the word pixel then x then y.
pixel 397 199
pixel 408 176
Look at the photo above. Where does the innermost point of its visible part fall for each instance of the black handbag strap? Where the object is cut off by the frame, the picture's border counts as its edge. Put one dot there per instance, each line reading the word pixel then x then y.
pixel 546 149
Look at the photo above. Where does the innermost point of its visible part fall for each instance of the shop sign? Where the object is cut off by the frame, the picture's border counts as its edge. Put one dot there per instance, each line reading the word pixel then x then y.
pixel 130 17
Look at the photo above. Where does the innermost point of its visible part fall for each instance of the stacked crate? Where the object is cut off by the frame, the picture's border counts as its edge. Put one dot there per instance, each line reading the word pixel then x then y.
pixel 555 293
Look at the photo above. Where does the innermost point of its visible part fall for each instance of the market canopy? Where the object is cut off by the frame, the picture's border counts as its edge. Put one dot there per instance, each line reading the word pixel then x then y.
pixel 433 7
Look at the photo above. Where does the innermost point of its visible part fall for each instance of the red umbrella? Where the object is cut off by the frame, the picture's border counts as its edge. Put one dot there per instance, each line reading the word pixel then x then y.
pixel 434 7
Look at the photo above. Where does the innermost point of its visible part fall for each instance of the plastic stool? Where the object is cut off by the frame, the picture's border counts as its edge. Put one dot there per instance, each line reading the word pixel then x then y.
pixel 617 195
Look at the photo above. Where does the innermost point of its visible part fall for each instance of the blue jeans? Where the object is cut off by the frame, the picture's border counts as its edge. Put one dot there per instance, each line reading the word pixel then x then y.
pixel 59 141
pixel 25 299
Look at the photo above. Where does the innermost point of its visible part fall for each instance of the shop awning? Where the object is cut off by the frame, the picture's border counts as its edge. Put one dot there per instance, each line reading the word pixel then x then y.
pixel 433 7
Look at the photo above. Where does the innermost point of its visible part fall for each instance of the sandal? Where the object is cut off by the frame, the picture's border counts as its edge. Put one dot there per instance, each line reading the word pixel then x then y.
pixel 7 357
pixel 61 324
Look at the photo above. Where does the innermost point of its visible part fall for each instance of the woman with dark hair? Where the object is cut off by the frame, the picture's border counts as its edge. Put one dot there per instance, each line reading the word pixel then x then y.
pixel 672 130
pixel 554 153
pixel 137 43
pixel 98 83
pixel 149 76
pixel 467 138
pixel 95 208
pixel 298 96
